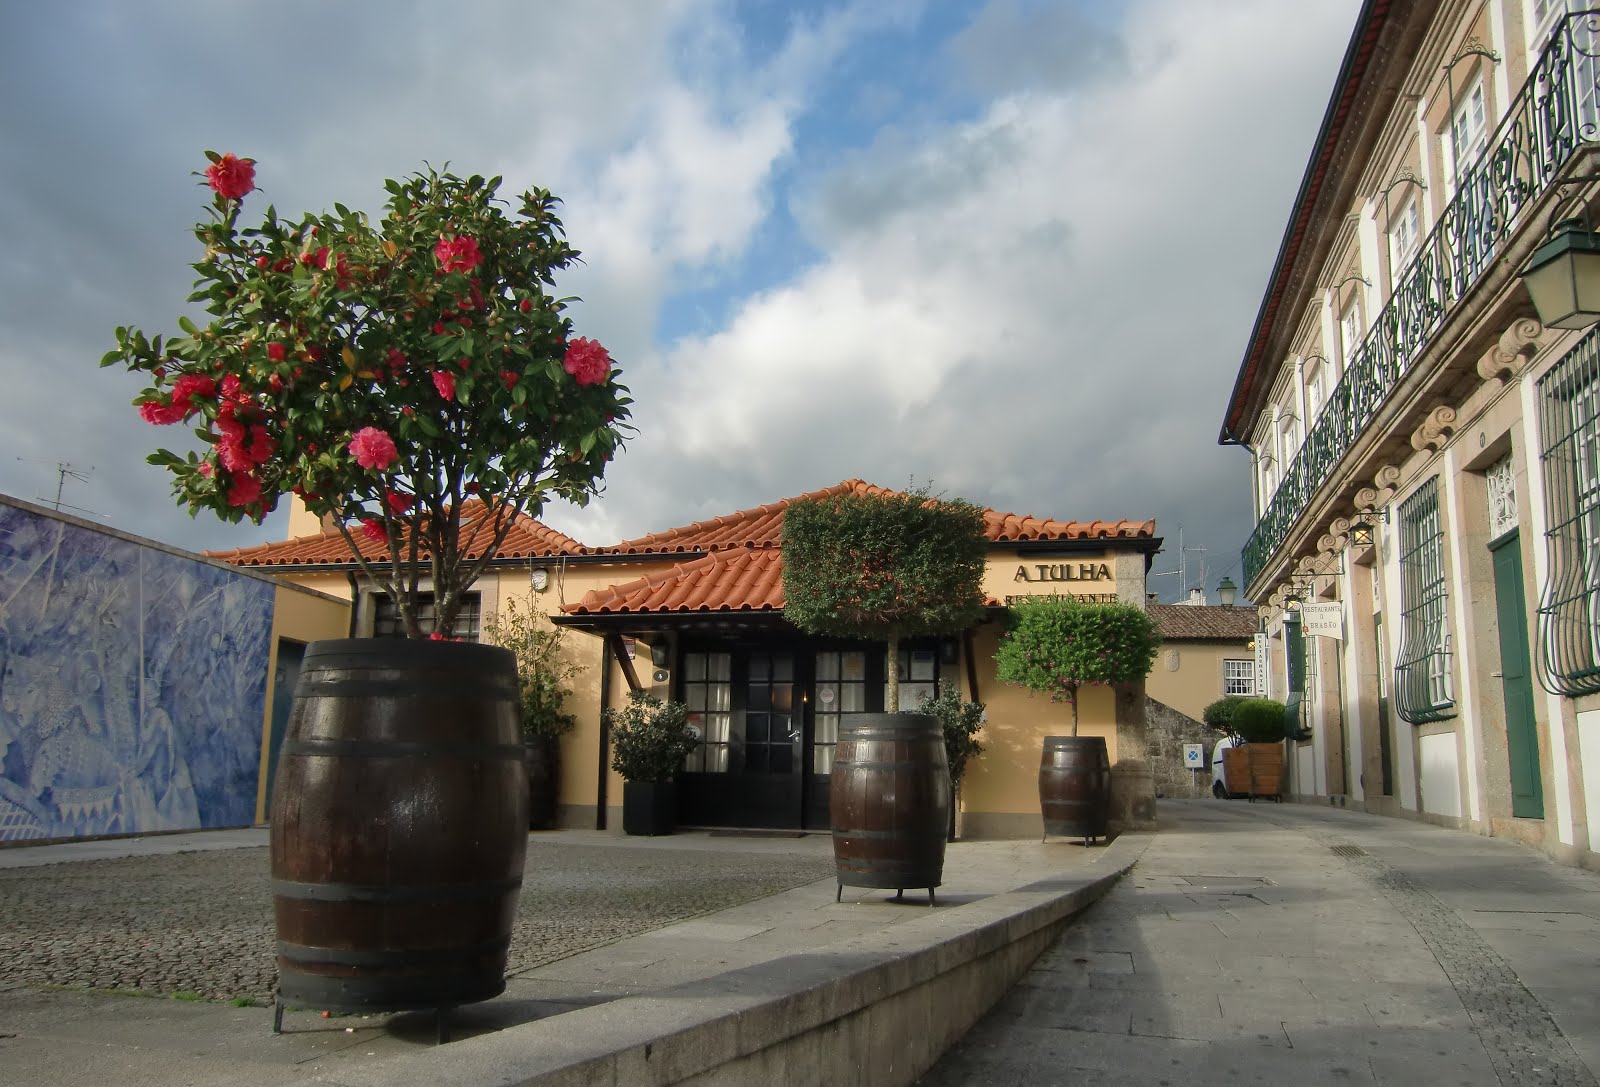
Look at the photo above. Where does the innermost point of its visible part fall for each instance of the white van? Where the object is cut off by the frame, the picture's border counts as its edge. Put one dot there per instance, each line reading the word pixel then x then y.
pixel 1218 789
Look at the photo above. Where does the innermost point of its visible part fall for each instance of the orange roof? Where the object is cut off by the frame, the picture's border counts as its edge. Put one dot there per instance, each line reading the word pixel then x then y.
pixel 733 579
pixel 527 539
pixel 763 527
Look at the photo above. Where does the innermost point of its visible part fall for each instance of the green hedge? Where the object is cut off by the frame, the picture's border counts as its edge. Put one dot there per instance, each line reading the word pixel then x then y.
pixel 1219 715
pixel 1259 720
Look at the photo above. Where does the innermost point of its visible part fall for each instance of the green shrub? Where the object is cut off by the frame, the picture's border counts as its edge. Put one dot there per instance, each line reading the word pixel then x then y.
pixel 543 671
pixel 1259 720
pixel 960 722
pixel 649 738
pixel 1219 715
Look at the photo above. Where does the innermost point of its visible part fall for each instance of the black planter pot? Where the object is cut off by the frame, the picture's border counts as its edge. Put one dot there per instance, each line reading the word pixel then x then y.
pixel 541 758
pixel 649 808
pixel 382 903
pixel 1075 786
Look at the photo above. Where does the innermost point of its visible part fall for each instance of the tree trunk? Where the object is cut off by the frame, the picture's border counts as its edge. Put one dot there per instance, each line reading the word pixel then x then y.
pixel 892 697
pixel 1072 696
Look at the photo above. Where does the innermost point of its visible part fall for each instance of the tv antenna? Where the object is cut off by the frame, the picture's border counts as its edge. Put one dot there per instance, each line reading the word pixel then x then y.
pixel 63 471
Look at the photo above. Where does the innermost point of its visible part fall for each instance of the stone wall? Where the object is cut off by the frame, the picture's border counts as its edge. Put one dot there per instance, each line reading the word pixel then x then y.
pixel 1167 731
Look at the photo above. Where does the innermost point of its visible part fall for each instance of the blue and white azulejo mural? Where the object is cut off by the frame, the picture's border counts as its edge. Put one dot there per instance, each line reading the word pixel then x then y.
pixel 132 684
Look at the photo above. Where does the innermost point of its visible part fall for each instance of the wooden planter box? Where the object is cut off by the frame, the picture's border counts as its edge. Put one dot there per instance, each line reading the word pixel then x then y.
pixel 1254 770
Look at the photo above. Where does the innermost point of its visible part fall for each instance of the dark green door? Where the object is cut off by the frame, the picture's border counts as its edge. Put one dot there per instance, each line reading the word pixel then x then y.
pixel 1516 681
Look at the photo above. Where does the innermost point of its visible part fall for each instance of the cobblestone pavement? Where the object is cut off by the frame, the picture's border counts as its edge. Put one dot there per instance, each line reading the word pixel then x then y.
pixel 201 922
pixel 1259 943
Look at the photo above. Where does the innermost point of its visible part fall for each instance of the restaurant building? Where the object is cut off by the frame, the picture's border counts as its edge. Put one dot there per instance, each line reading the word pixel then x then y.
pixel 695 613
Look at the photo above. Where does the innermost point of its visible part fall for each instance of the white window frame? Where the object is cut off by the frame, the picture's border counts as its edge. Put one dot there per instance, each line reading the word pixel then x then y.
pixel 1350 331
pixel 1405 235
pixel 1467 136
pixel 1238 677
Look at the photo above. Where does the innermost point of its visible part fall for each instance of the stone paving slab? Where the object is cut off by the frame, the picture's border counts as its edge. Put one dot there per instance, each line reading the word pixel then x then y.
pixel 1303 945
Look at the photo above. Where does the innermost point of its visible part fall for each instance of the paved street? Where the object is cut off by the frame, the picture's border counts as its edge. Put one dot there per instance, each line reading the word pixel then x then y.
pixel 1264 943
pixel 200 922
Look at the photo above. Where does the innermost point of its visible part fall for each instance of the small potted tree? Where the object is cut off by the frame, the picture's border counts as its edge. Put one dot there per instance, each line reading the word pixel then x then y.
pixel 886 565
pixel 543 677
pixel 1058 645
pixel 649 741
pixel 1254 767
pixel 1218 716
pixel 960 722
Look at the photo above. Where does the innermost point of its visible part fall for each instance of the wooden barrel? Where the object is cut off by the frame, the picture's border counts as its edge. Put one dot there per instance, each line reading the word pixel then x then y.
pixel 399 826
pixel 889 801
pixel 1075 786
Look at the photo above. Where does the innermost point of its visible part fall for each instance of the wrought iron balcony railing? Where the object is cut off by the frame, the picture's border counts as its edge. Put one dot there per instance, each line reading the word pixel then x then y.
pixel 1551 117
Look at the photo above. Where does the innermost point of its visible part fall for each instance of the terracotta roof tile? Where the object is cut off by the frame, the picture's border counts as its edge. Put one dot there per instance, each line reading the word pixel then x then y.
pixel 1204 622
pixel 733 579
pixel 763 527
pixel 528 538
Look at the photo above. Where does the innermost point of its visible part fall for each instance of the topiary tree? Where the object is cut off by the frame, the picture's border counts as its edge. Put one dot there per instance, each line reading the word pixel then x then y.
pixel 1219 714
pixel 1259 720
pixel 1058 644
pixel 883 566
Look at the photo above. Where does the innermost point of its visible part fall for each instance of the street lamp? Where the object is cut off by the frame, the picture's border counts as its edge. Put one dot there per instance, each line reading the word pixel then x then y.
pixel 1563 277
pixel 1361 529
pixel 1227 592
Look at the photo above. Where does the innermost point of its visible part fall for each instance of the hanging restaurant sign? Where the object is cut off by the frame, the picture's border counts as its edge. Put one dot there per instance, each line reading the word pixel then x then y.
pixel 1323 620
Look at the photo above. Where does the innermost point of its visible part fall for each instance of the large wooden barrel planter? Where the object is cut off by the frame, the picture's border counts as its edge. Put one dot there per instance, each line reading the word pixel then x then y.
pixel 889 802
pixel 1075 787
pixel 399 827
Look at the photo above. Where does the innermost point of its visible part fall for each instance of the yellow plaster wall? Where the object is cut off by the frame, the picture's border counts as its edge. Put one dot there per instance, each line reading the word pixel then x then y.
pixel 298 615
pixel 1197 680
pixel 1004 780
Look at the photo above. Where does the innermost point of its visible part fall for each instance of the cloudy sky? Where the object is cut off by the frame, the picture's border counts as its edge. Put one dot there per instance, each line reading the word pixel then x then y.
pixel 1009 247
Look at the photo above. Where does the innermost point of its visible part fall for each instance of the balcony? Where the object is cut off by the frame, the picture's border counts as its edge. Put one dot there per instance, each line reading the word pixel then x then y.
pixel 1551 117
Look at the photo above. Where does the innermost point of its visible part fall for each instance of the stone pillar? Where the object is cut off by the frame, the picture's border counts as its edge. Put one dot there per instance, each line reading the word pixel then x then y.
pixel 1133 782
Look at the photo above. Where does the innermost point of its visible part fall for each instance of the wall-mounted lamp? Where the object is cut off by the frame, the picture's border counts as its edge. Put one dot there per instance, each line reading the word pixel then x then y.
pixel 1362 530
pixel 949 652
pixel 660 653
pixel 1563 277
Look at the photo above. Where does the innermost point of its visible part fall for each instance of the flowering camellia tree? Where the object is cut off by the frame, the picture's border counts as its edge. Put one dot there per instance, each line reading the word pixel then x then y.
pixel 413 378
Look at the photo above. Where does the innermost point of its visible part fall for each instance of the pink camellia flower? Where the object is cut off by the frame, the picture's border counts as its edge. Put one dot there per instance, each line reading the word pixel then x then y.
pixel 445 382
pixel 373 529
pixel 509 377
pixel 205 468
pixel 232 176
pixel 587 361
pixel 399 503
pixel 458 254
pixel 159 414
pixel 276 351
pixel 245 491
pixel 373 448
